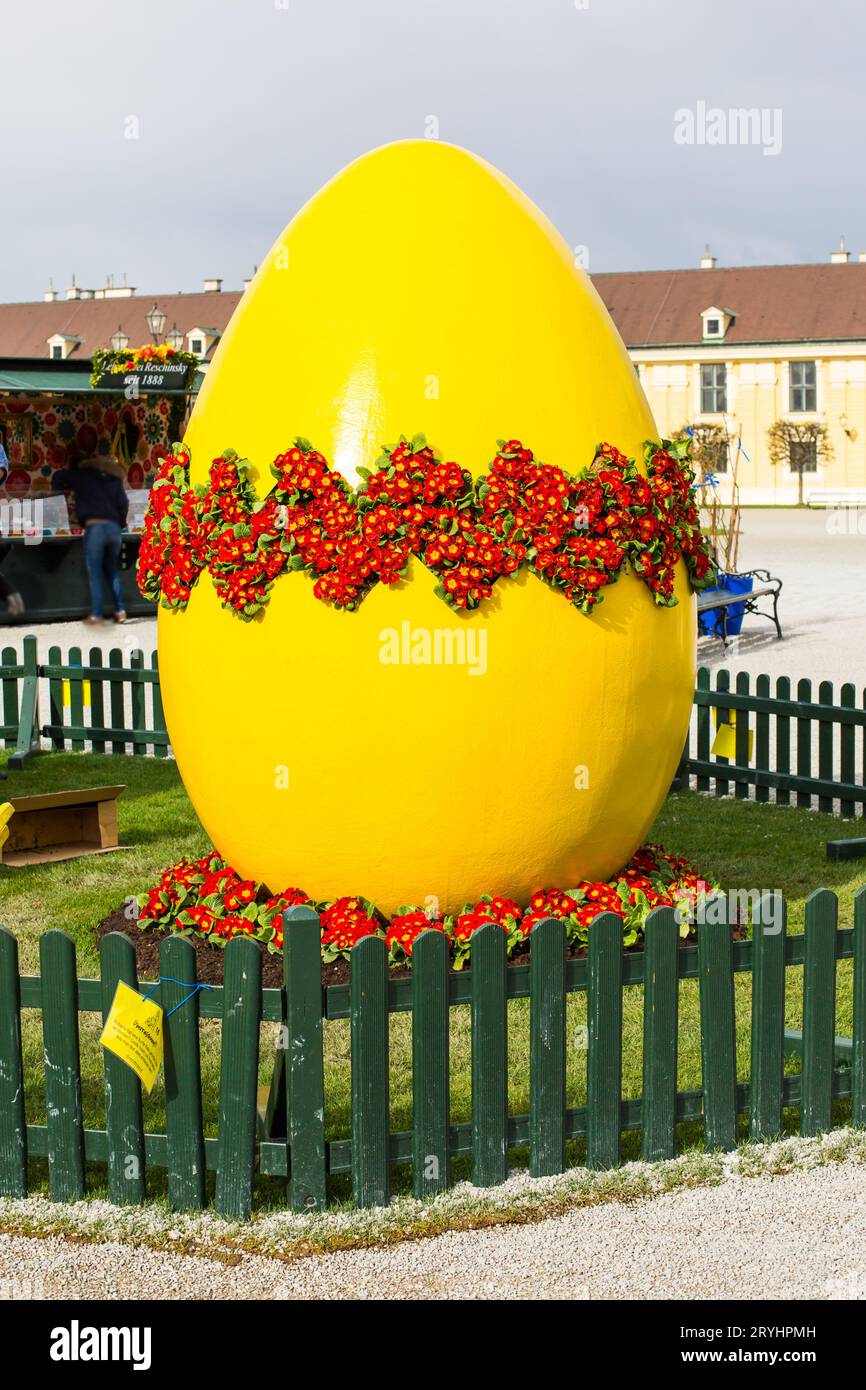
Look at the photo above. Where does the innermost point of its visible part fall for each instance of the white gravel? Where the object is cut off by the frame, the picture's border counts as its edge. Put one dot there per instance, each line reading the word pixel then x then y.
pixel 797 1236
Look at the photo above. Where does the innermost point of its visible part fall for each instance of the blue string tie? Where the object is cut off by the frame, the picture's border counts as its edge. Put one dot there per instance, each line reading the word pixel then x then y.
pixel 187 984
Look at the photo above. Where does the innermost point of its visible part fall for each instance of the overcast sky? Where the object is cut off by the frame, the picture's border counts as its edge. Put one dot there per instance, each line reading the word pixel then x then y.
pixel 245 107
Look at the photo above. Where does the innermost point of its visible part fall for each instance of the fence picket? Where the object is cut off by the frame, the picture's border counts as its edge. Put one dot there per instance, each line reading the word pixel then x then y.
pixel 762 736
pixel 97 700
pixel 123 1122
pixel 847 744
pixel 62 1066
pixel 182 1067
pixel 825 745
pixel 783 740
pixel 55 700
pixel 723 685
pixel 136 684
pixel 368 984
pixel 804 741
pixel 547 1048
pixel 430 1063
pixel 819 1012
pixel 858 1051
pixel 704 729
pixel 29 732
pixel 116 702
pixel 489 1014
pixel 9 659
pixel 661 988
pixel 604 1030
pixel 718 1037
pixel 768 1021
pixel 159 750
pixel 13 1126
pixel 741 736
pixel 76 700
pixel 242 1001
pixel 305 1080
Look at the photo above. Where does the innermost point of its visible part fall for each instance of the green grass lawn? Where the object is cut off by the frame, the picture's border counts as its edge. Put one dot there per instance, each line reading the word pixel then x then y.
pixel 740 843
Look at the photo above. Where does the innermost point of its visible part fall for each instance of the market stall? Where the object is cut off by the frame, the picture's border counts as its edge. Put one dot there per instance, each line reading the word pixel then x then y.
pixel 129 407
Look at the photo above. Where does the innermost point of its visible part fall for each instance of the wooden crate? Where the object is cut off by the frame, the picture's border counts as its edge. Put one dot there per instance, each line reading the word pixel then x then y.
pixel 61 825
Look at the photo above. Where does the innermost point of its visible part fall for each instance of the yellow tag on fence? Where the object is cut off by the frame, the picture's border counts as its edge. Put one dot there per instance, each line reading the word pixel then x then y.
pixel 67 693
pixel 133 1032
pixel 725 741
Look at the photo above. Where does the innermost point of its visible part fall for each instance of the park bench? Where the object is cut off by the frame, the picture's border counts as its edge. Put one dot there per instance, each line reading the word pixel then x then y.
pixel 838 497
pixel 765 587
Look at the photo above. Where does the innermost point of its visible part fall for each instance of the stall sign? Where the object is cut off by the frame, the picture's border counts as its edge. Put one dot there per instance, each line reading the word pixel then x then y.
pixel 160 378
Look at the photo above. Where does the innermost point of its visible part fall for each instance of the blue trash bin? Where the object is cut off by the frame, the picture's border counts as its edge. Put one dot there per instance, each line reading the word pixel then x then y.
pixel 710 621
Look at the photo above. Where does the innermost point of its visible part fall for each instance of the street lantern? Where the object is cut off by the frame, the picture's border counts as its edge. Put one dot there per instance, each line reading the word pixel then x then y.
pixel 155 322
pixel 119 340
pixel 174 338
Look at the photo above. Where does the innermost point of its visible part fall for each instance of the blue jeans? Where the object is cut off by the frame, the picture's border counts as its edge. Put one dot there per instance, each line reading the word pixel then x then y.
pixel 101 550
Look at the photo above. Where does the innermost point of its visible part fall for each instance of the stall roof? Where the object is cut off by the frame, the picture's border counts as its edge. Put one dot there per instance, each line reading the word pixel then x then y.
pixel 60 378
pixel 38 379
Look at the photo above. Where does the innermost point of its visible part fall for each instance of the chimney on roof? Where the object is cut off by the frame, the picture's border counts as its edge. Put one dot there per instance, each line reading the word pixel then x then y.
pixel 841 256
pixel 212 286
pixel 708 260
pixel 50 294
pixel 78 292
pixel 112 291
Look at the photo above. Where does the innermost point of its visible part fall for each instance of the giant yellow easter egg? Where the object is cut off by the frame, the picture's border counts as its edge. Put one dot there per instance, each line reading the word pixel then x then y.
pixel 421 291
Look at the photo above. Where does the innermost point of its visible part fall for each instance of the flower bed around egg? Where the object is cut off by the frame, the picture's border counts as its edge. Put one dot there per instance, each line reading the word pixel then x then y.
pixel 575 533
pixel 207 901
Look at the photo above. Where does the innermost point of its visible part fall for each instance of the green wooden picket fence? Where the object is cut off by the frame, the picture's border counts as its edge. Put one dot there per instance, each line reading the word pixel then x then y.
pixel 807 749
pixel 287 1139
pixel 87 702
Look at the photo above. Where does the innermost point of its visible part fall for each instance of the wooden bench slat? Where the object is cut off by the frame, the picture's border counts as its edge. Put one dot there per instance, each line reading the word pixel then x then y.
pixel 707 601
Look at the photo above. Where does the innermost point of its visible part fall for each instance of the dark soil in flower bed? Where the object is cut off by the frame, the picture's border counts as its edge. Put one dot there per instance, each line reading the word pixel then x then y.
pixel 209 959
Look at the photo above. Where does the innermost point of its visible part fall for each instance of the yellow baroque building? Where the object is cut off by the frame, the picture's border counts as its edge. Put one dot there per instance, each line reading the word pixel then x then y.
pixel 745 347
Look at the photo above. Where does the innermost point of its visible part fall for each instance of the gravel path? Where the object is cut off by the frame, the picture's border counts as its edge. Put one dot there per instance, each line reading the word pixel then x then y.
pixel 820 556
pixel 799 1236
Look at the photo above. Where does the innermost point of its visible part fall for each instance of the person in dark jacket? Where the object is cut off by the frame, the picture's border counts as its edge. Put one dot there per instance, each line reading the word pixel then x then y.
pixel 101 505
pixel 8 593
pixel 11 597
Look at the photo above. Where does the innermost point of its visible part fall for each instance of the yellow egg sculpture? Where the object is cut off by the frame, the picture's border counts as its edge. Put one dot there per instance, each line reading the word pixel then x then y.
pixel 421 291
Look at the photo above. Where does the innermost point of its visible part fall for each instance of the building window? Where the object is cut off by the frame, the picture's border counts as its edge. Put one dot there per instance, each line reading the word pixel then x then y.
pixel 197 346
pixel 57 352
pixel 713 388
pixel 712 328
pixel 804 388
pixel 804 456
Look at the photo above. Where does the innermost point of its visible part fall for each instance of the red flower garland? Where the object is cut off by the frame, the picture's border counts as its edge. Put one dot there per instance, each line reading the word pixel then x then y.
pixel 207 899
pixel 575 533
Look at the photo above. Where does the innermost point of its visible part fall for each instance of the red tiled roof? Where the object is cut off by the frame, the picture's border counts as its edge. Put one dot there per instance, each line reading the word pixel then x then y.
pixel 651 308
pixel 772 303
pixel 26 328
